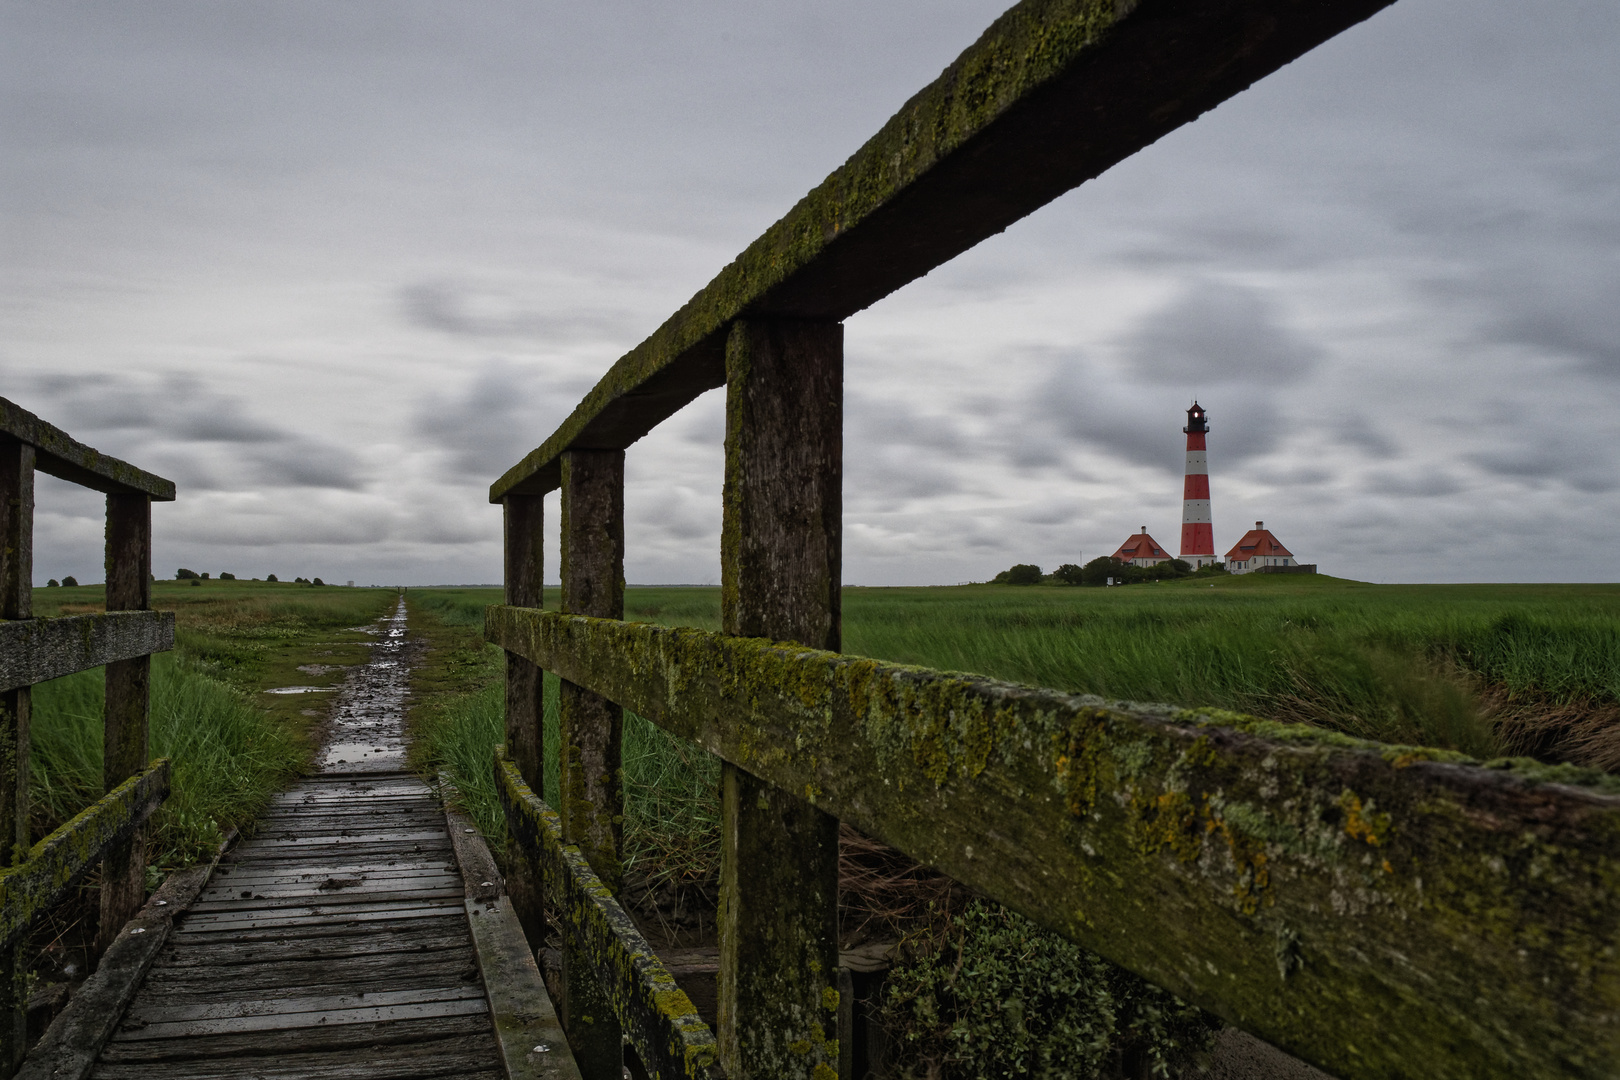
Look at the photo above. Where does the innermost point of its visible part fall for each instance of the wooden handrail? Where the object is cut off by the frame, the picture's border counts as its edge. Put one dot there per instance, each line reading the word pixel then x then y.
pixel 59 861
pixel 660 1021
pixel 64 457
pixel 1357 904
pixel 33 651
pixel 1054 93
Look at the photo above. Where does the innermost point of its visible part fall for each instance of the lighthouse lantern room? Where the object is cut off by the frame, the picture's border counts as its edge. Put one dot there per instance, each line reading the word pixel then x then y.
pixel 1197 532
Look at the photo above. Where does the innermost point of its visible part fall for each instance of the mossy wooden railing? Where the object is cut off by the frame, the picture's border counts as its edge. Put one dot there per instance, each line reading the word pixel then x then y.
pixel 1379 911
pixel 34 877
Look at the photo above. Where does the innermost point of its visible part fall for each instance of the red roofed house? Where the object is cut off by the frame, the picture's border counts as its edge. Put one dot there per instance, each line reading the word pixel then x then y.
pixel 1142 550
pixel 1258 548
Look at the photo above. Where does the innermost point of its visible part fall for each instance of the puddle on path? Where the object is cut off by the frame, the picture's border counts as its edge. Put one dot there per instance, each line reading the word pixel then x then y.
pixel 367 731
pixel 301 690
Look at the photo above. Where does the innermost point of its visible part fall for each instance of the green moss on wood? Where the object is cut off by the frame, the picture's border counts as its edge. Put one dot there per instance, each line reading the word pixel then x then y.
pixel 60 860
pixel 1356 903
pixel 660 1020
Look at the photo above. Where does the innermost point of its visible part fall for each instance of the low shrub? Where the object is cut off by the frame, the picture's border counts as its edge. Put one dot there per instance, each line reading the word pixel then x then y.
pixel 994 996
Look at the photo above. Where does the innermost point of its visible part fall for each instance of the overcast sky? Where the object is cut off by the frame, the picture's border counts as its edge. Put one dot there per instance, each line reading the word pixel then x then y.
pixel 332 268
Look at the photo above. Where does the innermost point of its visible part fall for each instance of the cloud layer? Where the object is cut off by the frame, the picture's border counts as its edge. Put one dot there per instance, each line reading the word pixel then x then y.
pixel 334 268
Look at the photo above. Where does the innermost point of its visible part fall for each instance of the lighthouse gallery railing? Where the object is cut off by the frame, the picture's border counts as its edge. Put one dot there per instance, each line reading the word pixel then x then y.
pixel 1377 910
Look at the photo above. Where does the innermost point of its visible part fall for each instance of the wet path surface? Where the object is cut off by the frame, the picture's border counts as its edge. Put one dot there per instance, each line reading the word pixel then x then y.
pixel 334 944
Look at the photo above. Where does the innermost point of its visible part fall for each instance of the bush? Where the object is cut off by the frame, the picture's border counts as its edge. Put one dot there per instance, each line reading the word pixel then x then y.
pixel 1067 574
pixel 53 584
pixel 300 581
pixel 70 581
pixel 1099 570
pixel 996 996
pixel 196 581
pixel 223 576
pixel 271 577
pixel 183 574
pixel 317 581
pixel 1022 574
pixel 203 575
pixel 1212 568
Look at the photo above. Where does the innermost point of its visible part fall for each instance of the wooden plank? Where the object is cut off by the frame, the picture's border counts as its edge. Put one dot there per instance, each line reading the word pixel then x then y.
pixel 64 457
pixel 527 1029
pixel 1053 93
pixel 68 1048
pixel 452 1056
pixel 654 1012
pixel 365 971
pixel 334 943
pixel 326 939
pixel 213 923
pixel 781 551
pixel 383 1035
pixel 59 861
pixel 326 1018
pixel 1352 903
pixel 333 902
pixel 40 649
pixel 161 1009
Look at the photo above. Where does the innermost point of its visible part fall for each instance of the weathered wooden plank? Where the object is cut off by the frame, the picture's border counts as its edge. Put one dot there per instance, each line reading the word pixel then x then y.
pixel 655 1014
pixel 272 897
pixel 463 1055
pixel 379 970
pixel 156 1009
pixel 265 921
pixel 780 557
pixel 35 650
pixel 1352 903
pixel 527 1028
pixel 56 863
pixel 1053 93
pixel 61 455
pixel 386 1035
pixel 68 1049
pixel 310 876
pixel 325 1018
pixel 330 942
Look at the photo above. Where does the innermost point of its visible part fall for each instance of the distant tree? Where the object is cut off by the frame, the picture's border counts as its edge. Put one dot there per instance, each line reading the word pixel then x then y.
pixel 1021 574
pixel 182 574
pixel 317 581
pixel 70 581
pixel 271 577
pixel 204 575
pixel 1099 570
pixel 226 576
pixel 1067 574
pixel 1212 568
pixel 300 581
pixel 53 584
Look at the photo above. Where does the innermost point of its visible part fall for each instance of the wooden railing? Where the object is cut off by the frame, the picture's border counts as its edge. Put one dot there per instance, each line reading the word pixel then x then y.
pixel 36 877
pixel 1379 911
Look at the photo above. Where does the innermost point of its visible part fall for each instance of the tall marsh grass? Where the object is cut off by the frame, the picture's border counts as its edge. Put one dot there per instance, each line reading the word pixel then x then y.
pixel 228 756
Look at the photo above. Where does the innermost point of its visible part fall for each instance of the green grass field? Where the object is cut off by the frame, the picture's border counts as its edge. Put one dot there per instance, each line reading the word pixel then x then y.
pixel 1490 670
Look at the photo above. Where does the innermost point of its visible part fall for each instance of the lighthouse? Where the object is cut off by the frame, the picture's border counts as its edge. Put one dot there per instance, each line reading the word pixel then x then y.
pixel 1197 534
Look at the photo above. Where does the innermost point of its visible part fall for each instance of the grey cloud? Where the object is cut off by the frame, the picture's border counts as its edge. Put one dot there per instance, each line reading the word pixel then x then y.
pixel 1216 333
pixel 203 438
pixel 1084 405
pixel 486 426
pixel 463 310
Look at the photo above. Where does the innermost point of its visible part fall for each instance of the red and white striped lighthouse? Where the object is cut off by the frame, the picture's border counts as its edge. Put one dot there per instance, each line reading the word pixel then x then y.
pixel 1197 533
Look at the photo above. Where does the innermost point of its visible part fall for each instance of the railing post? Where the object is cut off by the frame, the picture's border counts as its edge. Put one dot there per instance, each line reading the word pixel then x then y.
pixel 16 602
pixel 525 694
pixel 126 717
pixel 591 796
pixel 780 579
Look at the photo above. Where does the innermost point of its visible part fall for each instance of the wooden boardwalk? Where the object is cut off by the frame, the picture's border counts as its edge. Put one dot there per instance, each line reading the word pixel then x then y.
pixel 335 942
